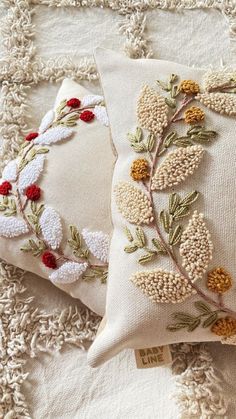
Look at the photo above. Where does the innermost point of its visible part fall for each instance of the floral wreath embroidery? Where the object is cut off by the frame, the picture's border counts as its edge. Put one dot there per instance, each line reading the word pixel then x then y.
pixel 158 114
pixel 21 193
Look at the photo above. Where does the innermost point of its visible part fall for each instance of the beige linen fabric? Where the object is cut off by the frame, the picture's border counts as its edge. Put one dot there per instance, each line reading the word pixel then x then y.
pixel 76 183
pixel 133 321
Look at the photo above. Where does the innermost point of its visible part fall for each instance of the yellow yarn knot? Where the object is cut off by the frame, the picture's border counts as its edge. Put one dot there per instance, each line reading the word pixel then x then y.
pixel 189 87
pixel 219 280
pixel 224 327
pixel 139 169
pixel 193 115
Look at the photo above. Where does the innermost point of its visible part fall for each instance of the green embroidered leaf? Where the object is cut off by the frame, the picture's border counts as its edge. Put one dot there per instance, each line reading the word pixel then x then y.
pixel 165 220
pixel 42 150
pixel 183 317
pixel 210 320
pixel 147 257
pixel 202 307
pixel 61 106
pixel 190 198
pixel 36 248
pixel 75 244
pixel 159 246
pixel 194 325
pixel 182 142
pixel 130 249
pixel 150 142
pixel 174 201
pixel 9 206
pixel 140 237
pixel 171 102
pixel 181 212
pixel 96 273
pixel 175 235
pixel 128 234
pixel 176 327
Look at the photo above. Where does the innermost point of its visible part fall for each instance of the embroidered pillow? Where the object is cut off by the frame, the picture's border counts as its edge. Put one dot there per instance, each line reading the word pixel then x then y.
pixel 172 257
pixel 54 198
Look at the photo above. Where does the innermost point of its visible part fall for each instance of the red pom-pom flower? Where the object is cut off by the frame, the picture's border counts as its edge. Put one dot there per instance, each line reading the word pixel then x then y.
pixel 73 103
pixel 87 116
pixel 31 136
pixel 49 260
pixel 33 192
pixel 5 188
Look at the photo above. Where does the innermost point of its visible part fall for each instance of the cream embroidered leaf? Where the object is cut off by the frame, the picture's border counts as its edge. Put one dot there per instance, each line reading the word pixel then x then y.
pixel 152 111
pixel 30 174
pixel 98 243
pixel 101 114
pixel 50 224
pixel 90 100
pixel 133 204
pixel 218 79
pixel 223 103
pixel 162 286
pixel 196 247
pixel 53 135
pixel 46 121
pixel 68 273
pixel 177 166
pixel 12 227
pixel 10 171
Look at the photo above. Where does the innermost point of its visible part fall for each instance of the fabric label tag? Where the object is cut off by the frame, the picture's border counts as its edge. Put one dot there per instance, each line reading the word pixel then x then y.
pixel 153 357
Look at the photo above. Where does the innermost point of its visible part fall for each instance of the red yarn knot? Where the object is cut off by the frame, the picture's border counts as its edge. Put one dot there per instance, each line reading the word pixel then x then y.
pixel 33 192
pixel 5 188
pixel 49 260
pixel 87 116
pixel 31 136
pixel 73 102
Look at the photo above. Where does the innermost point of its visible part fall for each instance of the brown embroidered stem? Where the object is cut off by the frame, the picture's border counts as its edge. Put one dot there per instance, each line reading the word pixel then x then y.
pixel 186 101
pixel 76 111
pixel 155 224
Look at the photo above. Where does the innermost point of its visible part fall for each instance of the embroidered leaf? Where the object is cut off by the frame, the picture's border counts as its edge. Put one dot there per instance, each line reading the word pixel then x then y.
pixel 175 236
pixel 31 173
pixel 133 204
pixel 165 220
pixel 12 227
pixel 90 100
pixel 10 171
pixel 159 246
pixel 128 234
pixel 210 320
pixel 196 247
pixel 136 141
pixel 162 286
pixel 36 248
pixel 190 198
pixel 130 249
pixel 68 273
pixel 98 243
pixel 177 167
pixel 147 257
pixel 94 273
pixel 223 103
pixel 51 228
pixel 101 114
pixel 53 135
pixel 141 240
pixel 202 307
pixel 76 244
pixel 213 80
pixel 152 111
pixel 174 201
pixel 46 121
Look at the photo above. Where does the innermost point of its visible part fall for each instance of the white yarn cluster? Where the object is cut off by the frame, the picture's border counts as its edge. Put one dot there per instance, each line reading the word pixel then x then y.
pixel 152 110
pixel 90 100
pixel 10 171
pixel 162 286
pixel 196 247
pixel 101 114
pixel 98 243
pixel 46 121
pixel 31 172
pixel 50 224
pixel 68 273
pixel 177 167
pixel 133 204
pixel 53 135
pixel 12 227
pixel 223 103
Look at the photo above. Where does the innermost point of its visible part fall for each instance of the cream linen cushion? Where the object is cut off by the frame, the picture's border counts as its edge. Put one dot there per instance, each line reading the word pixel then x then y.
pixel 71 161
pixel 172 256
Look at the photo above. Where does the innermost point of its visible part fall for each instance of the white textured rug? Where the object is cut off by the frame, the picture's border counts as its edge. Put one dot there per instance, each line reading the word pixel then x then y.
pixel 42 42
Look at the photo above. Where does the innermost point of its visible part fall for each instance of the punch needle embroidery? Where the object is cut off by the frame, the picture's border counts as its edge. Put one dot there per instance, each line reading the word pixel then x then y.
pixel 23 214
pixel 158 114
